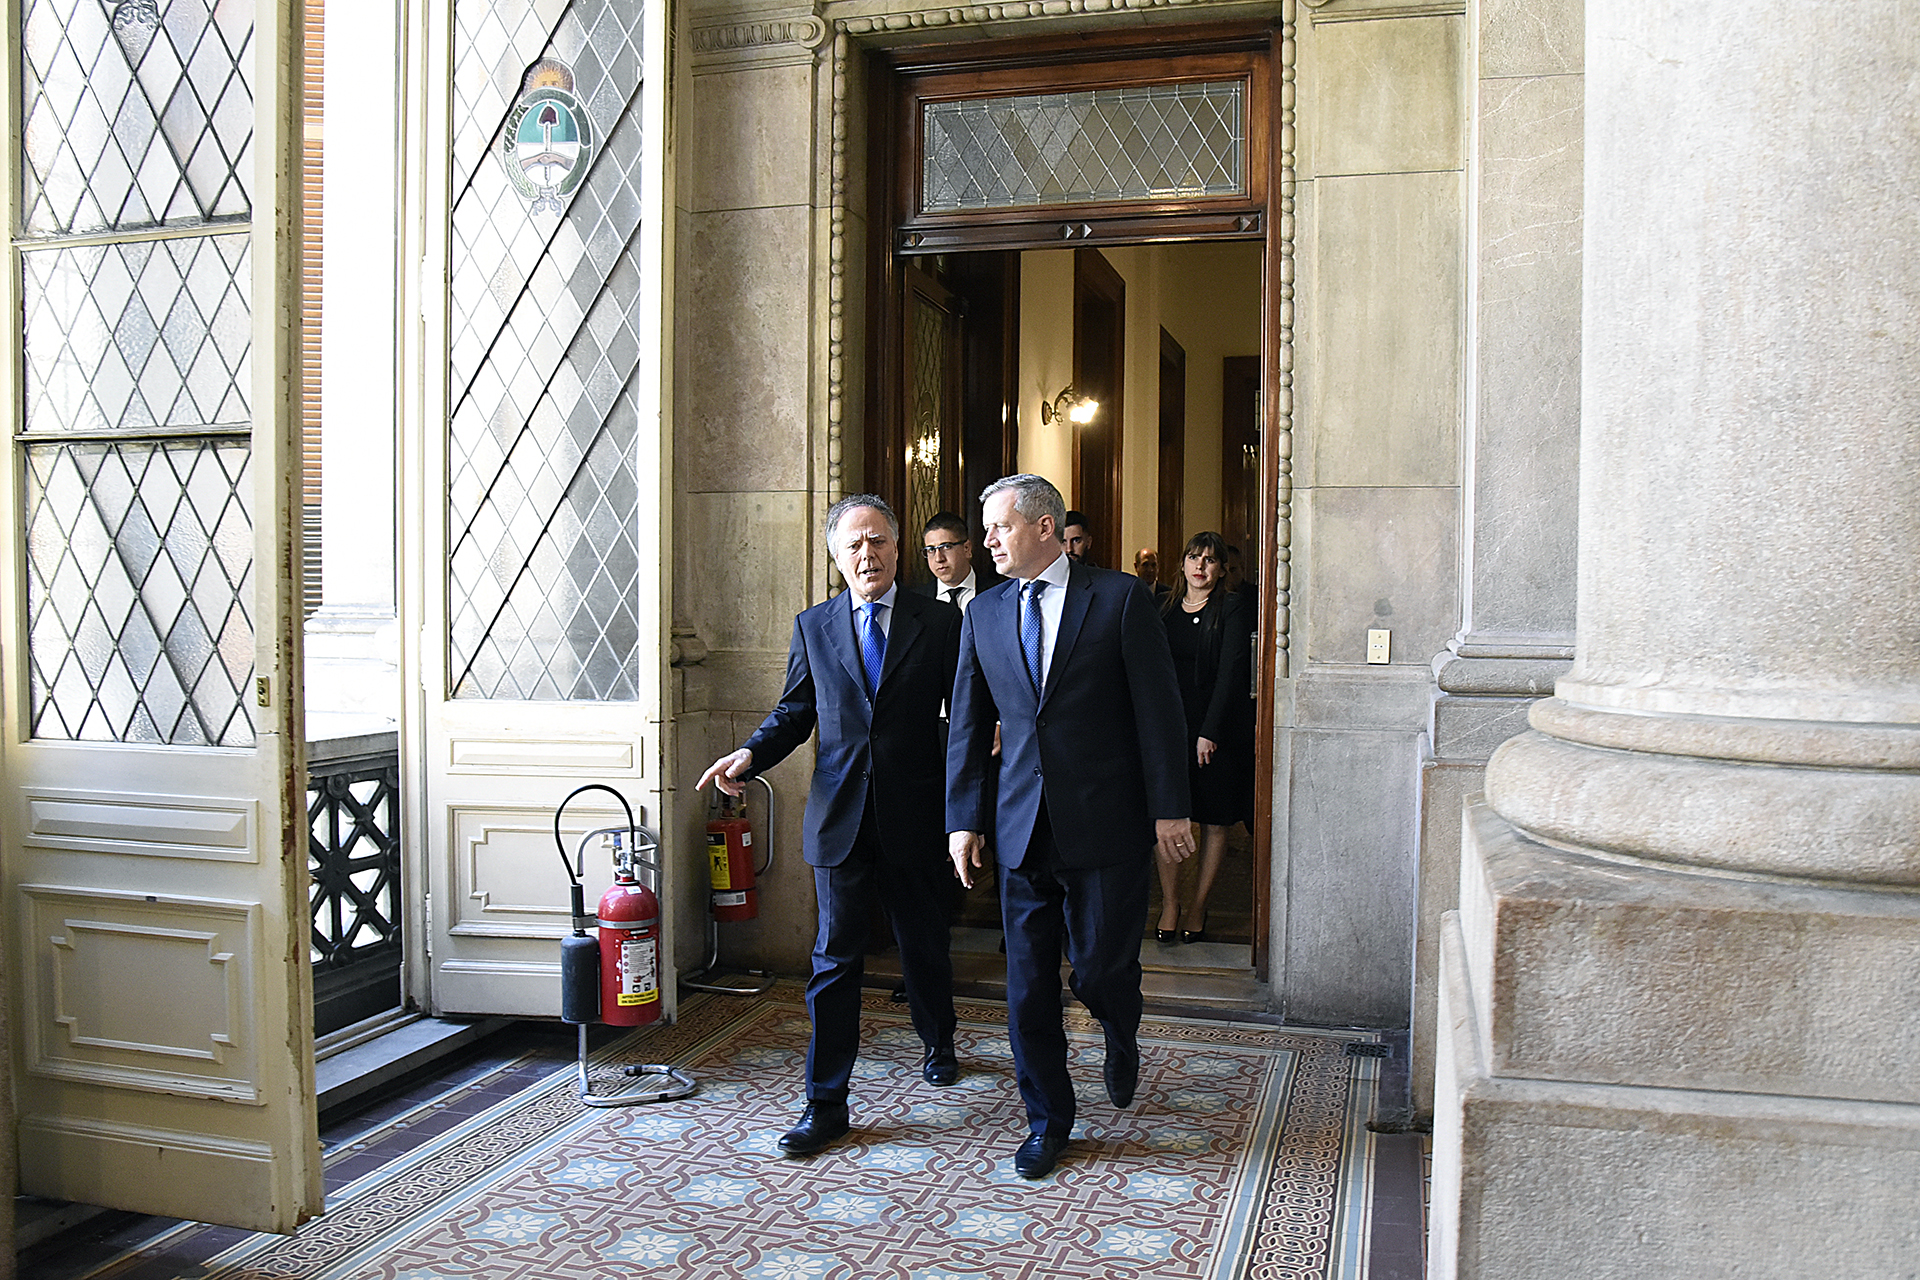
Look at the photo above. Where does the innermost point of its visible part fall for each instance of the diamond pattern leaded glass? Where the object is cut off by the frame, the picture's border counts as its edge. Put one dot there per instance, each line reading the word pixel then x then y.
pixel 543 494
pixel 137 113
pixel 145 334
pixel 927 380
pixel 1098 145
pixel 139 567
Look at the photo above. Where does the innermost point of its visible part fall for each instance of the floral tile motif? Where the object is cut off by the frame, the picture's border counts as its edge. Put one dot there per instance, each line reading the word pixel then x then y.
pixel 1230 1164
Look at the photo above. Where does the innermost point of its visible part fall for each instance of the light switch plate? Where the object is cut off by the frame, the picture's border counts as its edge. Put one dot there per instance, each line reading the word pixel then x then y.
pixel 1378 643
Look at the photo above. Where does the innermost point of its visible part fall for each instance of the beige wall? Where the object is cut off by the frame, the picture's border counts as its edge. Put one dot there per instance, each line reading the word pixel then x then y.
pixel 1046 363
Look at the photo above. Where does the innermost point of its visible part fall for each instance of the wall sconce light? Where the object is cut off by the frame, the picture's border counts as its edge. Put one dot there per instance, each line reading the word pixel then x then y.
pixel 1070 406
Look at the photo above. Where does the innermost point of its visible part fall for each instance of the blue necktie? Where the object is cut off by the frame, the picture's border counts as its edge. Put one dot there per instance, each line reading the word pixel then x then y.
pixel 873 646
pixel 1030 634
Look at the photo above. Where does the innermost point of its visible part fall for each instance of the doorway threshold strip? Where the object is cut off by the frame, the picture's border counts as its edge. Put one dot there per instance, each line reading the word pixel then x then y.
pixel 1237 1160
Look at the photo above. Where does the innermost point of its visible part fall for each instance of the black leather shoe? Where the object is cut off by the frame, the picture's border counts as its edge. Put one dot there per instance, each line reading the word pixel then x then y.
pixel 1167 937
pixel 1121 1070
pixel 821 1125
pixel 941 1065
pixel 1036 1156
pixel 1195 935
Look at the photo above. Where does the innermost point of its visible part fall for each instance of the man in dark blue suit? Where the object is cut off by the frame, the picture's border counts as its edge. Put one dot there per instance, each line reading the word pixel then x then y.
pixel 1072 662
pixel 870 669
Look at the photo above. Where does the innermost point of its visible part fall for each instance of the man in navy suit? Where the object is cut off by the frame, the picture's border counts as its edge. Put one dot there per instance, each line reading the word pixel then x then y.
pixel 1072 662
pixel 870 669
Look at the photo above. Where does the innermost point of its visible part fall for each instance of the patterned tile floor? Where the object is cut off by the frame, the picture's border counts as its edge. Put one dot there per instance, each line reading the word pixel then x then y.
pixel 1247 1155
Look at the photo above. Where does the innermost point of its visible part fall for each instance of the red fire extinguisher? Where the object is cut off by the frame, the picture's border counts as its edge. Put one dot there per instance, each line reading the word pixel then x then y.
pixel 629 922
pixel 730 870
pixel 613 976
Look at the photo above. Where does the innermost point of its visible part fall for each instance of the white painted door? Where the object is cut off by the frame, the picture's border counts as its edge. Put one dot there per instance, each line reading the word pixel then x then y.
pixel 155 853
pixel 535 475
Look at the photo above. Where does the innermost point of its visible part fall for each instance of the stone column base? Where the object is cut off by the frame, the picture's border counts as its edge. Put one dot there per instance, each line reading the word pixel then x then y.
pixel 1568 1141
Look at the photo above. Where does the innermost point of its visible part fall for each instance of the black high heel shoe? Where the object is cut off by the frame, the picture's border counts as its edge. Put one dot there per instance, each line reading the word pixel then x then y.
pixel 1168 936
pixel 1195 935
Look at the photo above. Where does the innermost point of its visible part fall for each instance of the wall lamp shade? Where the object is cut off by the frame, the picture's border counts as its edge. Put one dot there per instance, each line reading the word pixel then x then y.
pixel 1069 406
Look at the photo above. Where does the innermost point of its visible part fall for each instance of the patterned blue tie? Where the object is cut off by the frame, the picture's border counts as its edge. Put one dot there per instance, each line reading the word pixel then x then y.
pixel 873 646
pixel 1030 633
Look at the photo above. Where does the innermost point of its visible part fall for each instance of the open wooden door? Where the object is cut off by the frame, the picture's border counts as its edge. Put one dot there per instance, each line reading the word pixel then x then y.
pixel 536 512
pixel 155 850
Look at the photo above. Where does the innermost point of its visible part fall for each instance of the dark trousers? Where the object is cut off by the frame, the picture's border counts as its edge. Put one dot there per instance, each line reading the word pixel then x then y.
pixel 1097 912
pixel 918 900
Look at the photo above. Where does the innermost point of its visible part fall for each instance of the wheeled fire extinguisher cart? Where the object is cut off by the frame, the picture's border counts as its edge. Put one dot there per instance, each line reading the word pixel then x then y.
pixel 613 975
pixel 733 881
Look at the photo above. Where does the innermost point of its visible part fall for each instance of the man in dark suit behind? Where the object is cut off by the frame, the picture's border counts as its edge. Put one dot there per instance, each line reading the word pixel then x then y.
pixel 870 668
pixel 949 551
pixel 1072 662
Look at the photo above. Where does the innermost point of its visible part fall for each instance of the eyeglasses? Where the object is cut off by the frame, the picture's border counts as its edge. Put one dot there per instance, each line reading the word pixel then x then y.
pixel 942 548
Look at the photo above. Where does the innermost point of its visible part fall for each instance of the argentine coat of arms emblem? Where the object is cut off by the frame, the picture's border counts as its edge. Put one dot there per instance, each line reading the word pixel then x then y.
pixel 548 139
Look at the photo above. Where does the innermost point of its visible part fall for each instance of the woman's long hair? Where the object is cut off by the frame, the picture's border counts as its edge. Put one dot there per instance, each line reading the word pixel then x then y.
pixel 1205 540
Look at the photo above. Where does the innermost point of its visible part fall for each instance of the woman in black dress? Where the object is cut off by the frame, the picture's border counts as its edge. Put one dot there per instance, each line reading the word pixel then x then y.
pixel 1210 631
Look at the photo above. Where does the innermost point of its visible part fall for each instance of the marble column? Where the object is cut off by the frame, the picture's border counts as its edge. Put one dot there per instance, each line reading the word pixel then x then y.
pixel 1678 996
pixel 1522 437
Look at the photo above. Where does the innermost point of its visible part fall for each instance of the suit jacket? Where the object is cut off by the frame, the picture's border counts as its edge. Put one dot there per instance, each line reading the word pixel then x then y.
pixel 1105 743
pixel 984 580
pixel 1225 659
pixel 892 746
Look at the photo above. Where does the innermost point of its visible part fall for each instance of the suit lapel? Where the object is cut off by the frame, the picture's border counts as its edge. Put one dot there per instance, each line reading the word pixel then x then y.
pixel 837 619
pixel 996 634
pixel 1073 612
pixel 901 633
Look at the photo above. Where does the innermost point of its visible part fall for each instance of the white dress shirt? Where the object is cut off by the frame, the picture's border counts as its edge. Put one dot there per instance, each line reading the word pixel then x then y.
pixel 884 617
pixel 966 588
pixel 1053 601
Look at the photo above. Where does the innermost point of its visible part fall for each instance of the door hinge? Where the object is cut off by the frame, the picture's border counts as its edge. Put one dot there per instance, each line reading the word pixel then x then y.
pixel 426 914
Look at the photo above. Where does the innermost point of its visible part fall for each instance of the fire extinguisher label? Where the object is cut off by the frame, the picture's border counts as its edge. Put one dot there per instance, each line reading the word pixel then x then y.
pixel 639 971
pixel 731 899
pixel 717 873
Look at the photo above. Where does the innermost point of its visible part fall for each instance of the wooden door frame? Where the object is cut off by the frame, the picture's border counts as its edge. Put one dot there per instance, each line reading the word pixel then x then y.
pixel 895 229
pixel 1169 530
pixel 1097 493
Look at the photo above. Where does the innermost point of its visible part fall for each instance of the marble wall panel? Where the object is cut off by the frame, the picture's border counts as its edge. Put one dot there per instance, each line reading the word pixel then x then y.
pixel 745 298
pixel 1445 788
pixel 1393 697
pixel 1350 894
pixel 1384 329
pixel 1386 95
pixel 748 558
pixel 1531 37
pixel 752 136
pixel 1370 558
pixel 1527 356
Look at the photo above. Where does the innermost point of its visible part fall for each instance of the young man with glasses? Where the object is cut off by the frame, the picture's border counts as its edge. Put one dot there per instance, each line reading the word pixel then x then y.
pixel 949 551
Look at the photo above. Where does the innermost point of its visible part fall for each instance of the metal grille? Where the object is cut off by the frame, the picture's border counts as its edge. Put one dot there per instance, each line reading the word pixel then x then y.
pixel 353 855
pixel 543 493
pixel 136 114
pixel 139 569
pixel 154 333
pixel 1142 143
